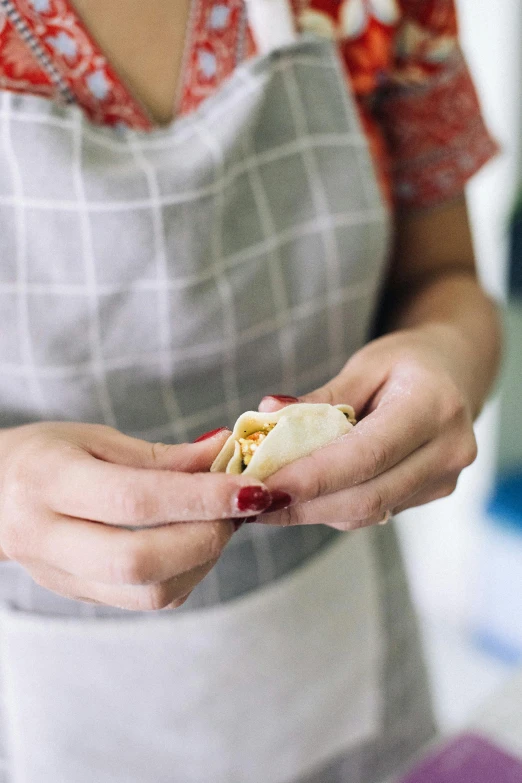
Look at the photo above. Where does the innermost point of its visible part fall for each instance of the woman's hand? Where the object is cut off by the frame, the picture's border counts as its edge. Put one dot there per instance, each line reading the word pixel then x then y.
pixel 86 510
pixel 414 439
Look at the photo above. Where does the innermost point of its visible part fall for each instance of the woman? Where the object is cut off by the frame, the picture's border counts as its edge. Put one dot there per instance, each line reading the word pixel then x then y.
pixel 162 274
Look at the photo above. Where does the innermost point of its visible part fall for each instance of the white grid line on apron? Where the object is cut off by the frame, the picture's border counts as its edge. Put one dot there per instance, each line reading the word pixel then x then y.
pixel 94 330
pixel 32 118
pixel 24 334
pixel 235 259
pixel 230 382
pixel 262 555
pixel 276 275
pixel 198 351
pixel 366 166
pixel 272 156
pixel 179 430
pixel 306 379
pixel 335 326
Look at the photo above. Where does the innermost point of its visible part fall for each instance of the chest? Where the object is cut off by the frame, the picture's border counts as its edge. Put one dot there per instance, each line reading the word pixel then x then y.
pixel 144 43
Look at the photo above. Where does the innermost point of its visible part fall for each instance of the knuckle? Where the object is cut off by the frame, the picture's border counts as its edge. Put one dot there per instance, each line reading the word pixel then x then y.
pixel 453 406
pixel 348 525
pixel 448 489
pixel 205 505
pixel 445 490
pixel 154 597
pixel 465 454
pixel 131 565
pixel 289 517
pixel 377 458
pixel 39 578
pixel 324 483
pixel 329 394
pixel 218 534
pixel 178 602
pixel 160 450
pixel 470 451
pixel 13 540
pixel 100 430
pixel 133 504
pixel 368 505
pixel 17 480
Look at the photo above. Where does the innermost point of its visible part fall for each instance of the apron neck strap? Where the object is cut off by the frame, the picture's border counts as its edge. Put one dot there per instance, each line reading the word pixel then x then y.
pixel 272 23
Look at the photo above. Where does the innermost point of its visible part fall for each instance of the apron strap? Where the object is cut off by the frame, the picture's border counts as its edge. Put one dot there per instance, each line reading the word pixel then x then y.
pixel 272 23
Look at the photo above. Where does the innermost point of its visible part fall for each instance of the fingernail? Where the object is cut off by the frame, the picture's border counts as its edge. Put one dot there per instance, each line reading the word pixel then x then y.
pixel 281 398
pixel 210 434
pixel 280 500
pixel 253 499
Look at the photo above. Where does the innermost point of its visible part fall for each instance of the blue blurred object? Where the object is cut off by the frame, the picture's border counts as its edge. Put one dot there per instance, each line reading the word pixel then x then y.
pixel 498 611
pixel 515 262
pixel 505 505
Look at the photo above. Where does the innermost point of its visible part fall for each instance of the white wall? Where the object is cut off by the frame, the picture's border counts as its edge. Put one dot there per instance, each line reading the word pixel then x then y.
pixel 440 540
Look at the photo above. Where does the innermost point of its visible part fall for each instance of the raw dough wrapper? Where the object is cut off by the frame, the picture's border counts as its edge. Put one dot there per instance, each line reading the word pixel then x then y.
pixel 262 443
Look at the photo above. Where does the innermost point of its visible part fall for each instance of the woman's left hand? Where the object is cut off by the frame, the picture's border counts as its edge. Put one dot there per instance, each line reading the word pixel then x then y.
pixel 414 437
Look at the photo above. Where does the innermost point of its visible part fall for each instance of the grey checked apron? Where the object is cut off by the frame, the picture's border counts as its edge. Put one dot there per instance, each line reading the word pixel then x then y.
pixel 163 283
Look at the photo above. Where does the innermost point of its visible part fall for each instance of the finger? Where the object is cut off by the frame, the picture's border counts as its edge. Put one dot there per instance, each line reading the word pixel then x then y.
pixel 383 439
pixel 112 556
pixel 110 445
pixel 428 495
pixel 367 503
pixel 87 488
pixel 272 403
pixel 358 383
pixel 141 598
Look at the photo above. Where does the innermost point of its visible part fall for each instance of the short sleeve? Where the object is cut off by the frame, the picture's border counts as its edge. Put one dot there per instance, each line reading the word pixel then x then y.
pixel 428 108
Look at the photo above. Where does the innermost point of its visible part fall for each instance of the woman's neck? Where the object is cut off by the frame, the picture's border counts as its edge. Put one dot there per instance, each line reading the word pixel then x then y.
pixel 144 43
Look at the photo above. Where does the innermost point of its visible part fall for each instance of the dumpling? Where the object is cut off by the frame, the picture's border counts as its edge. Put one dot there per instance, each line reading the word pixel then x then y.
pixel 262 443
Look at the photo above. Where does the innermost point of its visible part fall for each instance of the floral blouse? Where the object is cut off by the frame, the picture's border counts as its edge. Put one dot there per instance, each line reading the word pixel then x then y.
pixel 402 57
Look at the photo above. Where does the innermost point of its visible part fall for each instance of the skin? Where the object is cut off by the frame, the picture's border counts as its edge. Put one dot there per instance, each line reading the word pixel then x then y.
pixel 418 387
pixel 89 512
pixel 97 516
pixel 145 44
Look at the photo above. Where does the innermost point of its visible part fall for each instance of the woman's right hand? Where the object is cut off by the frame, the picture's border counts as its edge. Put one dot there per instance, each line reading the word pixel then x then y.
pixel 98 516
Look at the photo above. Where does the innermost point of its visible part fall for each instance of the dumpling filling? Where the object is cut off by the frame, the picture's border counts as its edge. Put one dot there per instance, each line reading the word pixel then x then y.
pixel 252 442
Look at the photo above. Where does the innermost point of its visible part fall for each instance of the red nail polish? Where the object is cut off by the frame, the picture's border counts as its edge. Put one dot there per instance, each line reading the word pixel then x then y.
pixel 281 398
pixel 253 499
pixel 210 434
pixel 280 500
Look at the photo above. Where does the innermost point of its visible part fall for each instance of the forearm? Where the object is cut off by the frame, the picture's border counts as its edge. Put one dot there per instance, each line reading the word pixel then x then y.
pixel 454 312
pixel 433 288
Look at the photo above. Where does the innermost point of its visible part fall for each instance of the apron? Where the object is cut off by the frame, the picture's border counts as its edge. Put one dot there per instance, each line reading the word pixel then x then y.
pixel 162 283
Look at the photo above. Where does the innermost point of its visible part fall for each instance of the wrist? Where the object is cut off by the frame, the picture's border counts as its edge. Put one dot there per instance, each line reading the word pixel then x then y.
pixel 462 359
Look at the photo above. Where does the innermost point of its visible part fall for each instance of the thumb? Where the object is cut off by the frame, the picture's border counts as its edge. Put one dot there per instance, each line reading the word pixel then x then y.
pixel 327 393
pixel 113 446
pixel 353 386
pixel 350 387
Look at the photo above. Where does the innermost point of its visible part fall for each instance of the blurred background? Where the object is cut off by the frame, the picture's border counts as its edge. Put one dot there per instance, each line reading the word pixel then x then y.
pixel 464 553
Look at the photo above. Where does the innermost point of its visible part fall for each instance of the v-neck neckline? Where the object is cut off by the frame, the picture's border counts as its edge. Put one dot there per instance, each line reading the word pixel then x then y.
pixel 218 38
pixel 139 105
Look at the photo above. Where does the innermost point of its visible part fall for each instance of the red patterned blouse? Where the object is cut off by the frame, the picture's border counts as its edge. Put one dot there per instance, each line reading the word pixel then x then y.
pixel 417 101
